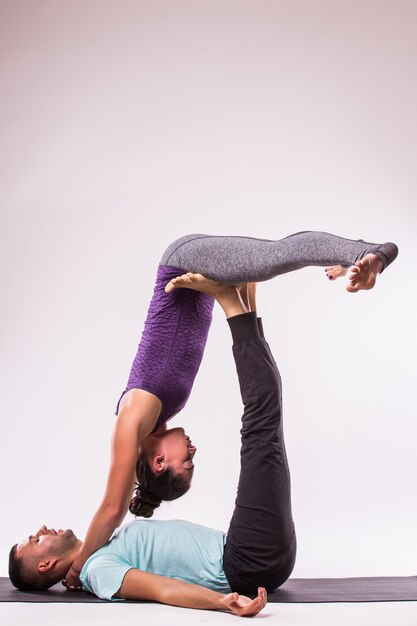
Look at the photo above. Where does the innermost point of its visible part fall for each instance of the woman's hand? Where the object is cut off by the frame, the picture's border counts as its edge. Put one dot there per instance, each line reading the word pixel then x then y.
pixel 243 606
pixel 72 580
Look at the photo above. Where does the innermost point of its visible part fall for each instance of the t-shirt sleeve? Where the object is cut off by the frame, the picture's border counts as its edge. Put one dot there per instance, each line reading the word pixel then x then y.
pixel 104 575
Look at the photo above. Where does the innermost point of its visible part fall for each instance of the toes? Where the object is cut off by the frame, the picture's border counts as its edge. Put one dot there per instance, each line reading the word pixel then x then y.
pixel 195 278
pixel 335 271
pixel 179 280
pixel 173 283
pixel 352 288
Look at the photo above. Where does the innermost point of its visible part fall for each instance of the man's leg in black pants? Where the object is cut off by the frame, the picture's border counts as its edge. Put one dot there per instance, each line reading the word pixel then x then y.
pixel 261 545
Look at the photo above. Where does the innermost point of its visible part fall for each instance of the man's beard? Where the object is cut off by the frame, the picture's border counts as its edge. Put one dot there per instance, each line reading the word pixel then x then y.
pixel 67 540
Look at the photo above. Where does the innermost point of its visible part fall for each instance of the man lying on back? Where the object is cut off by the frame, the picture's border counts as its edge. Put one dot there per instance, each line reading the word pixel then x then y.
pixel 184 559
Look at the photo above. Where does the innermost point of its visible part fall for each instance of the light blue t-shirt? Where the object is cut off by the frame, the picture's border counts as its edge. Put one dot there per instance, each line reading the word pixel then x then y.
pixel 173 548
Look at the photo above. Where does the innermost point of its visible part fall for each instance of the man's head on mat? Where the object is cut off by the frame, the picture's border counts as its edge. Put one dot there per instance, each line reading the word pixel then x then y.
pixel 41 560
pixel 164 469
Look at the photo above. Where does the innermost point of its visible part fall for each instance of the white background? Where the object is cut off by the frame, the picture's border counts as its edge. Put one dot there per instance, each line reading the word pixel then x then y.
pixel 127 124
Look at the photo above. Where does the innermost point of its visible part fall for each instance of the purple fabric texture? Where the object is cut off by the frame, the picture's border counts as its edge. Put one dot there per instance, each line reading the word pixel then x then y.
pixel 172 344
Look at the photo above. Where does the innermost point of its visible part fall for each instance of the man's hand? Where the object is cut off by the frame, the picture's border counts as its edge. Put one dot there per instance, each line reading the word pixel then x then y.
pixel 243 606
pixel 72 580
pixel 139 585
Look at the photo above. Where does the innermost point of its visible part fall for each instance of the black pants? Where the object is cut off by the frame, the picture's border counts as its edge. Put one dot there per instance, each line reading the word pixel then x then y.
pixel 261 544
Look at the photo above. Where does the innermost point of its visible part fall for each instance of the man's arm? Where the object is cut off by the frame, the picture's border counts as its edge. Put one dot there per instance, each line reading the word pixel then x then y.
pixel 138 585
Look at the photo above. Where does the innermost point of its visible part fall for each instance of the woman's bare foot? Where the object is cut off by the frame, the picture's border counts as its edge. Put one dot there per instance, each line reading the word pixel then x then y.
pixel 197 282
pixel 335 271
pixel 363 274
pixel 227 296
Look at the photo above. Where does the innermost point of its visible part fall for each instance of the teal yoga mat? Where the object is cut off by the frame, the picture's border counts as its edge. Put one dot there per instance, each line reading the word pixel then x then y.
pixel 379 589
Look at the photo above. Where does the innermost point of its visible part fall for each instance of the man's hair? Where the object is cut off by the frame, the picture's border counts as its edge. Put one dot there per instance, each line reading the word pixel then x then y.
pixel 25 579
pixel 153 488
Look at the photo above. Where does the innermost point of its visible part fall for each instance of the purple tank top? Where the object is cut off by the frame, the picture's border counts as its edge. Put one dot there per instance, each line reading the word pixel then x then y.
pixel 172 344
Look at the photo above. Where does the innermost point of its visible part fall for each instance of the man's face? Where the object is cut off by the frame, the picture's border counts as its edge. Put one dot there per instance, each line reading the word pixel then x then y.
pixel 46 543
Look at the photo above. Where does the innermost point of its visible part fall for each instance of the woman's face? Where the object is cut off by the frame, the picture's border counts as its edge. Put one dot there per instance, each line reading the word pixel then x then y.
pixel 176 450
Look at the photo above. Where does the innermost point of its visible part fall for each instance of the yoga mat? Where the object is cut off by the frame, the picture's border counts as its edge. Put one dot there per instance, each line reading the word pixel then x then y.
pixel 369 589
pixel 380 589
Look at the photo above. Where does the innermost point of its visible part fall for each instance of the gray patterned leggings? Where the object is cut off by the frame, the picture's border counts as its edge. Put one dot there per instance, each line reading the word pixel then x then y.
pixel 233 260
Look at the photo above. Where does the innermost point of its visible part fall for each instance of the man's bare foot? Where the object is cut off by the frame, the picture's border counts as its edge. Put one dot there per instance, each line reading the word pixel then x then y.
pixel 363 274
pixel 335 271
pixel 228 296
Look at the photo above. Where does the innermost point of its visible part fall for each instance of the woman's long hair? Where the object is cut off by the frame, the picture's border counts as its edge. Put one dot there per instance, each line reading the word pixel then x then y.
pixel 153 488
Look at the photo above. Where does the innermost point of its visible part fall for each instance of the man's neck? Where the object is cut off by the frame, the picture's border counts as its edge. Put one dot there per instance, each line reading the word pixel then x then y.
pixel 75 550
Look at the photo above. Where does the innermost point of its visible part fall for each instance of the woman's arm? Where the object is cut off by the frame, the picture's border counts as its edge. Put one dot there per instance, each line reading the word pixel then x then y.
pixel 138 585
pixel 138 415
